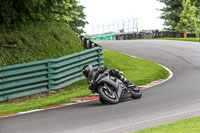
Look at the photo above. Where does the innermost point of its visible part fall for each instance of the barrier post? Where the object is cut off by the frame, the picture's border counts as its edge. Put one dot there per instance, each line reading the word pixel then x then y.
pixel 50 70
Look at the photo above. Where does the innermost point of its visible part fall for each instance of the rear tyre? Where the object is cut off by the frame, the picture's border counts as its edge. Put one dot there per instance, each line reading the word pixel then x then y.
pixel 136 93
pixel 108 95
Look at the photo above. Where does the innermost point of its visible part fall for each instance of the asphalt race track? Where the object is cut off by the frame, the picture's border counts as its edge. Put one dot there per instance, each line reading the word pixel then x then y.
pixel 176 99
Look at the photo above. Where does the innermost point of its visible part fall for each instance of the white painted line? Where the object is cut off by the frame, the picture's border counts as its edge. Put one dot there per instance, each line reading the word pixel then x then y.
pixel 31 111
pixel 170 74
pixel 146 87
pixel 82 101
pixel 151 120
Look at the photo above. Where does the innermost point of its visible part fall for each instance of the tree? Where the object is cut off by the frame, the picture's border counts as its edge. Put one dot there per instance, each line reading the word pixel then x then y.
pixel 26 11
pixel 197 30
pixel 189 18
pixel 197 23
pixel 171 12
pixel 70 12
pixel 22 11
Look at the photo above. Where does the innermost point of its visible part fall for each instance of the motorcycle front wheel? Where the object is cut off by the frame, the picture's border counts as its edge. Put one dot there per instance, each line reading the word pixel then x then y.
pixel 102 100
pixel 106 94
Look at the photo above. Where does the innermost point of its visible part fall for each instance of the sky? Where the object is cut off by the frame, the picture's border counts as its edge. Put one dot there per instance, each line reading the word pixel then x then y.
pixel 101 13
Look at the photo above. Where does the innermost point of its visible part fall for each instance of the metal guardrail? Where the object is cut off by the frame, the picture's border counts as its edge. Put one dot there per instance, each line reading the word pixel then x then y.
pixel 87 42
pixel 46 75
pixel 104 37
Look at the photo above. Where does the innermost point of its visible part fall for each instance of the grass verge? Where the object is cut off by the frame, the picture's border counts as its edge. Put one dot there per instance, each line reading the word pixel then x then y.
pixel 37 41
pixel 191 125
pixel 176 39
pixel 180 39
pixel 138 71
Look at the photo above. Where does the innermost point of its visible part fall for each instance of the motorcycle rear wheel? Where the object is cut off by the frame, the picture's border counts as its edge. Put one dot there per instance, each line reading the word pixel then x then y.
pixel 108 95
pixel 136 93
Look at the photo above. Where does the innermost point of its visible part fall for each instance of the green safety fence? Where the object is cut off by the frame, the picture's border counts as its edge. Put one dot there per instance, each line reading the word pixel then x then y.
pixel 46 75
pixel 104 37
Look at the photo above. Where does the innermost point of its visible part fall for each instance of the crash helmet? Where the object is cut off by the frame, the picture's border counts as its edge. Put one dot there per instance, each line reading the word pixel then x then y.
pixel 121 73
pixel 86 70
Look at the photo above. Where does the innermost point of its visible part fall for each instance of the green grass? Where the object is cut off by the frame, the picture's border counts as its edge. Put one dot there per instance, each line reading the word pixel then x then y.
pixel 56 99
pixel 191 125
pixel 138 71
pixel 37 41
pixel 180 39
pixel 176 39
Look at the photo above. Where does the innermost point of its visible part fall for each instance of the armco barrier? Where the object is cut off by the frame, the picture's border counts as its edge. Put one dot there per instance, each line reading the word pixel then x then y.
pixel 87 42
pixel 46 75
pixel 104 37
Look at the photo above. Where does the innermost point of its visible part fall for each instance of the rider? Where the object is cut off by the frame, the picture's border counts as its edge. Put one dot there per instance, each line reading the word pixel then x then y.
pixel 114 72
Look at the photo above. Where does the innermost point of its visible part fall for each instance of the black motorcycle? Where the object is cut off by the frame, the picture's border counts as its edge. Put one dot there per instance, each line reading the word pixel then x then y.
pixel 111 89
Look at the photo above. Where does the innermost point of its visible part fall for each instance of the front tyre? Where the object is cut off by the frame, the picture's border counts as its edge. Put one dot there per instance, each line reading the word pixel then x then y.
pixel 102 100
pixel 108 95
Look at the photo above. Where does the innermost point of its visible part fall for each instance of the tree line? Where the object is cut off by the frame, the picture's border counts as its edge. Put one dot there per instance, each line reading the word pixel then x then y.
pixel 182 15
pixel 13 12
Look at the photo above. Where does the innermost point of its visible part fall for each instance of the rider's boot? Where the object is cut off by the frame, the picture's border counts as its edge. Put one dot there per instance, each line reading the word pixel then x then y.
pixel 128 83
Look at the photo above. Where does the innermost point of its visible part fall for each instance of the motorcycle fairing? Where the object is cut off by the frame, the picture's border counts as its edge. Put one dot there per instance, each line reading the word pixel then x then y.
pixel 117 84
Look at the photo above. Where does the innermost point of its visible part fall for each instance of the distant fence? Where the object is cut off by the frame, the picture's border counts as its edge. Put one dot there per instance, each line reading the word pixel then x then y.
pixel 46 75
pixel 157 34
pixel 143 35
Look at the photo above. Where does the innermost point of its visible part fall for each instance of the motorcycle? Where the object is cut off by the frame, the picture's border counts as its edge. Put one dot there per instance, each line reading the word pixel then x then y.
pixel 111 89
